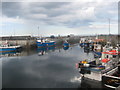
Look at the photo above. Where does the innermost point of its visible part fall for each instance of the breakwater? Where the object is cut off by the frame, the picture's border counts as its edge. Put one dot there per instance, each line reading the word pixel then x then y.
pixel 30 42
pixel 24 41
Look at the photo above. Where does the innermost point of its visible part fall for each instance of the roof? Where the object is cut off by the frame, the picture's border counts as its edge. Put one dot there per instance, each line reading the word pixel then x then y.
pixel 17 38
pixel 105 60
pixel 112 52
pixel 98 40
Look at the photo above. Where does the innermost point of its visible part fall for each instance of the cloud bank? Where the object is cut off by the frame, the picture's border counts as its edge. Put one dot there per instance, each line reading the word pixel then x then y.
pixel 75 16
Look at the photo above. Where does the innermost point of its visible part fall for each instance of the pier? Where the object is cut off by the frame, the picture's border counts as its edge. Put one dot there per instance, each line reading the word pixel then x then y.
pixel 24 41
pixel 29 41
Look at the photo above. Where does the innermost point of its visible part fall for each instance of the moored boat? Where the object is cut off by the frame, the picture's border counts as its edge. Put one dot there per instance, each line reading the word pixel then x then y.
pixel 111 79
pixel 106 71
pixel 6 47
pixel 45 43
pixel 81 42
pixel 97 50
pixel 66 44
pixel 9 48
pixel 98 47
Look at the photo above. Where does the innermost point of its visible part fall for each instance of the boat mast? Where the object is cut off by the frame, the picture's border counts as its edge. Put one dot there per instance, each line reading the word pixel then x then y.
pixel 38 31
pixel 14 32
pixel 109 38
pixel 109 26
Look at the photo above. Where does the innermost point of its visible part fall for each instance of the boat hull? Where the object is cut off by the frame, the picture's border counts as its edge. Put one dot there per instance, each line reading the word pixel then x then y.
pixel 97 54
pixel 47 44
pixel 111 80
pixel 9 49
pixel 65 44
pixel 82 44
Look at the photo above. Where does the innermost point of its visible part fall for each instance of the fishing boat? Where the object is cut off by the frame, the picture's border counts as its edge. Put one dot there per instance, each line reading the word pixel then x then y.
pixel 45 43
pixel 91 45
pixel 90 70
pixel 98 47
pixel 111 79
pixel 84 44
pixel 107 71
pixel 87 45
pixel 81 42
pixel 97 50
pixel 66 44
pixel 9 48
pixel 6 47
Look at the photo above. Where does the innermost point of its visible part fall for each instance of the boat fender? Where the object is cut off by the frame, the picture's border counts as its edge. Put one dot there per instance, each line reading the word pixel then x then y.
pixel 79 65
pixel 76 65
pixel 86 65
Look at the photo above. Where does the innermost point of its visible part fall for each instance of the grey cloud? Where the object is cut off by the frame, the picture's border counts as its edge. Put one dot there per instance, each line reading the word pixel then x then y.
pixel 78 23
pixel 56 13
pixel 104 12
pixel 11 9
pixel 51 8
pixel 49 5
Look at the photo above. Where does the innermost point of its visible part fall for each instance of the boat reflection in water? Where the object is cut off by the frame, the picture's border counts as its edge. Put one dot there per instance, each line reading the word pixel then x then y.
pixel 87 83
pixel 86 50
pixel 66 48
pixel 10 54
pixel 43 50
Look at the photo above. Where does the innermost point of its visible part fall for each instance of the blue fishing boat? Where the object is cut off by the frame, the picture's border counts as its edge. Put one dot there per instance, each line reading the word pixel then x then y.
pixel 84 44
pixel 81 43
pixel 97 54
pixel 97 50
pixel 9 48
pixel 45 43
pixel 6 47
pixel 65 44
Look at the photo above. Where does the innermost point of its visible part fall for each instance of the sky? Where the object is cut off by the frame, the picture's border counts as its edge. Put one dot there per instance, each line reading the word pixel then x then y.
pixel 45 18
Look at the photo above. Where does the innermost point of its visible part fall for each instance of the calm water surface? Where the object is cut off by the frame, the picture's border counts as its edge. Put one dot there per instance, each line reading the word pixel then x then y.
pixel 55 69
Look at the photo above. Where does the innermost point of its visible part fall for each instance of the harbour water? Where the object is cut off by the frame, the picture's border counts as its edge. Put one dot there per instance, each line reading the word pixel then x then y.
pixel 55 69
